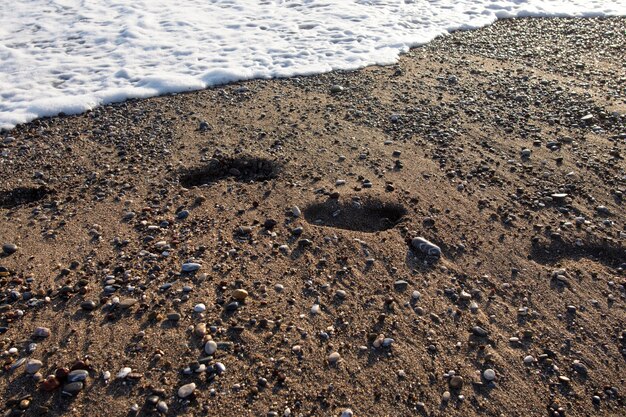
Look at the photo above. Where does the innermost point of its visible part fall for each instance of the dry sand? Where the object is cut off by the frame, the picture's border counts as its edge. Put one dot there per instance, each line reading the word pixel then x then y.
pixel 503 146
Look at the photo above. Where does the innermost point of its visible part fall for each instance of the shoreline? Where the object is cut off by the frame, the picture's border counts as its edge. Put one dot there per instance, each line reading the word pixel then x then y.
pixel 276 219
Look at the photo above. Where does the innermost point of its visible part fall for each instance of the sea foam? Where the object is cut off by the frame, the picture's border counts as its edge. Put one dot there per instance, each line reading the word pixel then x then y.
pixel 72 55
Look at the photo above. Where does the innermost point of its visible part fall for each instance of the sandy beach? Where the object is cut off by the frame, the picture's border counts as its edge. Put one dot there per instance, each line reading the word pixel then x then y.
pixel 256 249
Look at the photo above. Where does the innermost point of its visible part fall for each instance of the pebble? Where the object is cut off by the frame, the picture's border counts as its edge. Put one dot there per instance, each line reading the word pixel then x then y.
pixel 73 388
pixel 210 347
pixel 33 366
pixel 77 375
pixel 199 308
pixel 315 309
pixel 456 382
pixel 240 294
pixel 42 332
pixel 9 248
pixel 186 390
pixel 162 407
pixel 529 359
pixel 400 285
pixel 347 413
pixel 479 331
pixel 123 373
pixel 426 247
pixel 191 267
pixel 489 374
pixel 200 329
pixel 333 358
pixel 296 212
pixel 127 303
pixel 88 305
pixel 446 396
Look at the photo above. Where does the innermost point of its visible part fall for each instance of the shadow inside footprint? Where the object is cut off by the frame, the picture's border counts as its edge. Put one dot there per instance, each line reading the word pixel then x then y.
pixel 363 215
pixel 243 169
pixel 21 196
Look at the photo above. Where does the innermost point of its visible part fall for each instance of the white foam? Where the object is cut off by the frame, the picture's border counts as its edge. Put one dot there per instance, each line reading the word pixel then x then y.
pixel 72 55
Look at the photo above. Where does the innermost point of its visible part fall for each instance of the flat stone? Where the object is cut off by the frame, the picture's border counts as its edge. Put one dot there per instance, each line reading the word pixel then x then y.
pixel 88 305
pixel 77 375
pixel 191 267
pixel 73 388
pixel 186 390
pixel 41 332
pixel 400 285
pixel 127 303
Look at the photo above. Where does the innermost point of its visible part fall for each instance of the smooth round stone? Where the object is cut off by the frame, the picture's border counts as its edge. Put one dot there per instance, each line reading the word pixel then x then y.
pixel 73 387
pixel 191 267
pixel 489 374
pixel 528 360
pixel 338 89
pixel 9 248
pixel 446 396
pixel 183 214
pixel 88 305
pixel 200 329
pixel 333 358
pixel 77 375
pixel 199 308
pixel 41 332
pixel 210 347
pixel 220 368
pixel 173 316
pixel 232 306
pixel 341 294
pixel 347 413
pixel 240 294
pixel 456 382
pixel 315 309
pixel 162 407
pixel 33 366
pixel 186 390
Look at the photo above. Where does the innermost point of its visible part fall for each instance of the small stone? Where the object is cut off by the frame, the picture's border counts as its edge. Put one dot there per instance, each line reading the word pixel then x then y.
pixel 42 332
pixel 191 267
pixel 340 294
pixel 347 413
pixel 186 390
pixel 200 329
pixel 199 308
pixel 240 294
pixel 400 285
pixel 528 360
pixel 123 373
pixel 426 247
pixel 33 366
pixel 127 303
pixel 296 212
pixel 162 407
pixel 88 305
pixel 315 309
pixel 336 89
pixel 489 374
pixel 334 358
pixel 232 306
pixel 173 317
pixel 479 331
pixel 77 375
pixel 73 388
pixel 50 384
pixel 446 396
pixel 9 248
pixel 456 382
pixel 210 347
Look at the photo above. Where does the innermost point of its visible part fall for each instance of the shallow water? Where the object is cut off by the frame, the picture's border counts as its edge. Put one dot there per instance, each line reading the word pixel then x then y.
pixel 72 55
